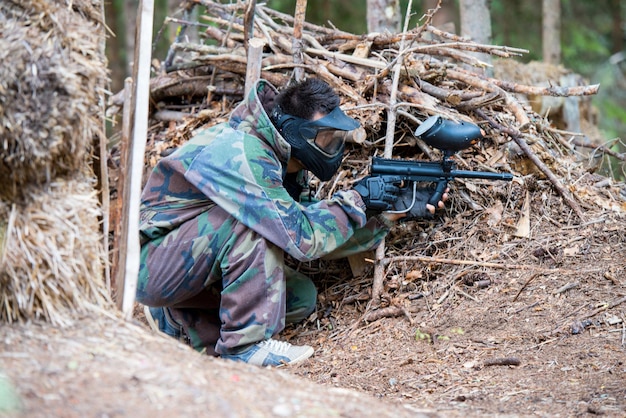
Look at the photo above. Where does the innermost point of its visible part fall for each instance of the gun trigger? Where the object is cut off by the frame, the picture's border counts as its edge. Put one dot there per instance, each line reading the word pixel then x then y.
pixel 438 194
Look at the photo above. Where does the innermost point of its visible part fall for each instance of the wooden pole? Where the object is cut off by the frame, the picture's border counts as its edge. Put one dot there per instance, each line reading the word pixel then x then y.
pixel 297 39
pixel 103 172
pixel 117 215
pixel 248 23
pixel 121 211
pixel 255 57
pixel 379 268
pixel 128 269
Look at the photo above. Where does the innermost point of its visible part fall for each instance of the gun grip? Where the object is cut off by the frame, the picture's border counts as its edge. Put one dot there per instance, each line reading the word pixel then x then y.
pixel 438 194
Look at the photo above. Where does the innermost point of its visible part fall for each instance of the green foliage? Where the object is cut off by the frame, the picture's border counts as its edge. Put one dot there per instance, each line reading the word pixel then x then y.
pixel 162 33
pixel 429 336
pixel 422 336
pixel 584 50
pixel 517 24
pixel 285 6
pixel 457 330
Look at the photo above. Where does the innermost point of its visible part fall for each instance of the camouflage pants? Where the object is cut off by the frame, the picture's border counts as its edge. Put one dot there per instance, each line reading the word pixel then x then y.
pixel 226 285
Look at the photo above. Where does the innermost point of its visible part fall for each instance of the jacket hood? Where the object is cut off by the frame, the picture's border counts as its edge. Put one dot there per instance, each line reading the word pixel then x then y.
pixel 251 116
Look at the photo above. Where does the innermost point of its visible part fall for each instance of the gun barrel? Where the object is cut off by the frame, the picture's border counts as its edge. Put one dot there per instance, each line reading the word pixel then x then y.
pixel 404 168
pixel 481 175
pixel 428 171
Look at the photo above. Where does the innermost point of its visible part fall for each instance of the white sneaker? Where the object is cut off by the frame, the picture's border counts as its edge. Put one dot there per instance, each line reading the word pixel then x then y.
pixel 272 353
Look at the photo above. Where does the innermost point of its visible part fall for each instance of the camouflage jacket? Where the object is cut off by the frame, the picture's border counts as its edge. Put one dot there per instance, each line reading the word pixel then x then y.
pixel 240 165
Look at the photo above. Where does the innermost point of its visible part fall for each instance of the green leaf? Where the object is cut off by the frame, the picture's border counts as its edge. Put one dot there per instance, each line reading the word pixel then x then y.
pixel 423 336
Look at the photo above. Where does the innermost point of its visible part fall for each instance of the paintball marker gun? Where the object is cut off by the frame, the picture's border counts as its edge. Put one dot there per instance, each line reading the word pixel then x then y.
pixel 449 137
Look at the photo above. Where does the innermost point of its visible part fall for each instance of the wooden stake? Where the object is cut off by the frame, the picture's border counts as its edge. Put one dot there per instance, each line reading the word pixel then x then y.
pixel 379 269
pixel 119 244
pixel 255 57
pixel 254 48
pixel 128 268
pixel 297 39
pixel 248 23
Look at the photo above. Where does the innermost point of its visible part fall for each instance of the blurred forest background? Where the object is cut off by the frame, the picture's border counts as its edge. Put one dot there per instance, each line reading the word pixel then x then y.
pixel 592 35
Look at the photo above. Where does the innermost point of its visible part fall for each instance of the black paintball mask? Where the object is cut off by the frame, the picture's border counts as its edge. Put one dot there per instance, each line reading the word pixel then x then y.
pixel 313 142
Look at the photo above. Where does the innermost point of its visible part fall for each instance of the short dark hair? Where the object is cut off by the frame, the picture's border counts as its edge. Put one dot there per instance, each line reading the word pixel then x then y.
pixel 305 98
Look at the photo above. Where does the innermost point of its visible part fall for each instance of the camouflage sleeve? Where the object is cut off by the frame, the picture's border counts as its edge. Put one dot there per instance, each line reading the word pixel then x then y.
pixel 243 176
pixel 364 239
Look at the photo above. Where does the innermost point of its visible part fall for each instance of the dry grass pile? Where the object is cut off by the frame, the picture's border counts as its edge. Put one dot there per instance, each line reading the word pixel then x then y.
pixel 52 254
pixel 51 87
pixel 51 83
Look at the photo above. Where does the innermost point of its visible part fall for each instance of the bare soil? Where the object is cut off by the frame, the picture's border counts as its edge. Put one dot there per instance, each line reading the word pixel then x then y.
pixel 483 324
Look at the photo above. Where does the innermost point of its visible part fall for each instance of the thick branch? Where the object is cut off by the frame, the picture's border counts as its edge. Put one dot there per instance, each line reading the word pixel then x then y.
pixel 511 103
pixel 519 140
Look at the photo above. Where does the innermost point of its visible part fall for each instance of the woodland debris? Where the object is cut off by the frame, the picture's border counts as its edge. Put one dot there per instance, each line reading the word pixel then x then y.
pixel 203 81
pixel 431 78
pixel 389 311
pixel 566 287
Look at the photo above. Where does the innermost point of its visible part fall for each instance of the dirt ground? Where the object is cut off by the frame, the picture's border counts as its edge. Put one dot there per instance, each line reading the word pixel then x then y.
pixel 484 324
pixel 506 305
pixel 543 334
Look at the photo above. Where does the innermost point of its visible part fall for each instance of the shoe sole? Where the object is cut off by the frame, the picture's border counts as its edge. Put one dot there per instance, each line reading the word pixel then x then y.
pixel 259 357
pixel 303 357
pixel 154 324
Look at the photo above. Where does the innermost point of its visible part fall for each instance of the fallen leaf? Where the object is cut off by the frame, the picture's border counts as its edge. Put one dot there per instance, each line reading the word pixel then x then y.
pixel 494 213
pixel 523 225
pixel 413 275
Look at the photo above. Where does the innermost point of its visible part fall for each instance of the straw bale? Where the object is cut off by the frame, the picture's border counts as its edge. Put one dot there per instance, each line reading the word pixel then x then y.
pixel 51 254
pixel 52 81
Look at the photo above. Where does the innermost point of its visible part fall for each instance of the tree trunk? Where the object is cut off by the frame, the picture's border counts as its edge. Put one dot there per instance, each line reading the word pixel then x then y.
pixel 130 15
pixel 476 24
pixel 617 35
pixel 116 45
pixel 551 36
pixel 446 18
pixel 383 16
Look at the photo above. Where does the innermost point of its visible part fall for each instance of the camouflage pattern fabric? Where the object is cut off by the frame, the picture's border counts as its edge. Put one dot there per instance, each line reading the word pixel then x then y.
pixel 216 221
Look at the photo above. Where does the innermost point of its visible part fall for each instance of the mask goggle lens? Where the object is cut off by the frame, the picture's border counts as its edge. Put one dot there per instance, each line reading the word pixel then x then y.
pixel 329 141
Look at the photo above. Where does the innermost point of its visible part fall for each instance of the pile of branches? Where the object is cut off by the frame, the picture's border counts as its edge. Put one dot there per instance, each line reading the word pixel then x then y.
pixel 389 82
